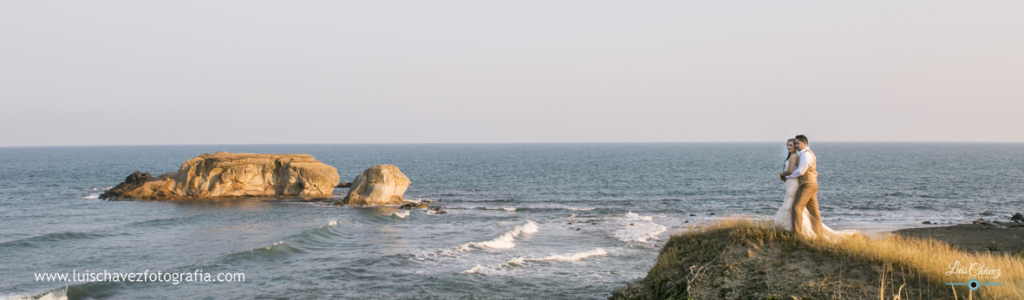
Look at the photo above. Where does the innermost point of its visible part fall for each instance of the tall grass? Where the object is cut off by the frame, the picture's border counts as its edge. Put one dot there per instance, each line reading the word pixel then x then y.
pixel 930 258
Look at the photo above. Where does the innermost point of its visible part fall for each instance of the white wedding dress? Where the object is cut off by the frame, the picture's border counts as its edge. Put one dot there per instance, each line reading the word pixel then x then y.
pixel 784 218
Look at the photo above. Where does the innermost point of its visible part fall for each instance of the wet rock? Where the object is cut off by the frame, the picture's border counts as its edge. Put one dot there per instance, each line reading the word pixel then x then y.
pixel 711 214
pixel 927 222
pixel 1017 218
pixel 438 211
pixel 987 224
pixel 693 215
pixel 344 184
pixel 413 205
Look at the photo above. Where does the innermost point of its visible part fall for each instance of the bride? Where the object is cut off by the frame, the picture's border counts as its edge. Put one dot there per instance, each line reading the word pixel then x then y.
pixel 783 218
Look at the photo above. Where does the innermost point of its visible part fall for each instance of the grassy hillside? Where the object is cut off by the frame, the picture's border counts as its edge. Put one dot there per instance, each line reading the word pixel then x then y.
pixel 744 259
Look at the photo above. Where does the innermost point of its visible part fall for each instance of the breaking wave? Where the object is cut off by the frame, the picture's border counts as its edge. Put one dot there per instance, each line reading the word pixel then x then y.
pixel 506 240
pixel 567 257
pixel 520 261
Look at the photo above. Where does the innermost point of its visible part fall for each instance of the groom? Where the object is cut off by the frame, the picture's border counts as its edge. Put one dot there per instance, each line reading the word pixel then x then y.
pixel 807 194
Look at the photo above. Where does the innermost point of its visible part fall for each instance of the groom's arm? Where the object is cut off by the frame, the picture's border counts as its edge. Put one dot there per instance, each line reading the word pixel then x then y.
pixel 805 163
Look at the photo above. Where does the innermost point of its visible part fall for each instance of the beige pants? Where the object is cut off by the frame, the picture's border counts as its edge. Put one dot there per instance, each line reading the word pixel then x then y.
pixel 807 196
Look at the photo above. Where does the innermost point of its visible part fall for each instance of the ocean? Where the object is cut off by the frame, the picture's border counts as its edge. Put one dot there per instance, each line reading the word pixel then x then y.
pixel 543 221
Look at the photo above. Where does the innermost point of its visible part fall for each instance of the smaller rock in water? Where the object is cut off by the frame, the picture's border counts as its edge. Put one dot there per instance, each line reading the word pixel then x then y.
pixel 378 185
pixel 1017 218
pixel 927 222
pixel 712 214
pixel 439 211
pixel 344 184
pixel 693 215
pixel 413 205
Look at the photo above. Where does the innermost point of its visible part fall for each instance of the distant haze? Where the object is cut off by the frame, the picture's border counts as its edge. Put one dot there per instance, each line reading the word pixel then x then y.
pixel 273 72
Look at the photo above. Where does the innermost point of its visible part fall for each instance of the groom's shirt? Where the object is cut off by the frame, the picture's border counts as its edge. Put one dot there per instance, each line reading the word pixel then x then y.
pixel 806 159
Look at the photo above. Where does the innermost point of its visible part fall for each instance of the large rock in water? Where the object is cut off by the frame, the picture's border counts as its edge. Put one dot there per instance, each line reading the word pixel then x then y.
pixel 223 175
pixel 378 185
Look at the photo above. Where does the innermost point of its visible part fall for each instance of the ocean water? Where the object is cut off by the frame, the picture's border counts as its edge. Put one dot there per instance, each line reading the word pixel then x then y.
pixel 549 221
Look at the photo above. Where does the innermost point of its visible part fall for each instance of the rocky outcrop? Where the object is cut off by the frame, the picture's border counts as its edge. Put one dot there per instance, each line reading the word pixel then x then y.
pixel 378 185
pixel 224 175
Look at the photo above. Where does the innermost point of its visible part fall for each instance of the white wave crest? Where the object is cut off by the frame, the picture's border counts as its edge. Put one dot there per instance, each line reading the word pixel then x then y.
pixel 92 196
pixel 639 232
pixel 566 257
pixel 580 209
pixel 402 214
pixel 633 216
pixel 519 261
pixel 275 244
pixel 332 223
pixel 55 294
pixel 479 269
pixel 506 240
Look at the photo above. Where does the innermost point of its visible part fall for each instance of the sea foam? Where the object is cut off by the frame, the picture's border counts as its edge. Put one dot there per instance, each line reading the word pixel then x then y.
pixel 520 261
pixel 565 257
pixel 506 240
pixel 639 232
pixel 633 216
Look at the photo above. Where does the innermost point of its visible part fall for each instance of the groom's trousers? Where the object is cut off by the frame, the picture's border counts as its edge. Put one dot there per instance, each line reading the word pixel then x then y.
pixel 807 198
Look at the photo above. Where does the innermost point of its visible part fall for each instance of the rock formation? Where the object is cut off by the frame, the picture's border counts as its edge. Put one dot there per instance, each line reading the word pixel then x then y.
pixel 223 175
pixel 378 185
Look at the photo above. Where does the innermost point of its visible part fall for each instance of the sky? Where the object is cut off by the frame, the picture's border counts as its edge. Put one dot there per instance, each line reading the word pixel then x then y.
pixel 339 72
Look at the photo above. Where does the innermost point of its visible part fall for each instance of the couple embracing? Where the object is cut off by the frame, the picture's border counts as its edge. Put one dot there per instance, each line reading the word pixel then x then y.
pixel 799 212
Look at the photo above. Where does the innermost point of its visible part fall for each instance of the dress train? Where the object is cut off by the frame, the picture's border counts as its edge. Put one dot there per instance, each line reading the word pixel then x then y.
pixel 784 220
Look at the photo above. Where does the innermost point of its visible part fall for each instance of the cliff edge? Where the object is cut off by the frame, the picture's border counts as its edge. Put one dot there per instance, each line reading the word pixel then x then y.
pixel 744 259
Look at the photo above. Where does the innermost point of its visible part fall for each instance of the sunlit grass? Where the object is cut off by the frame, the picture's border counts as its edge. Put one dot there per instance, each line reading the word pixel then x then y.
pixel 929 258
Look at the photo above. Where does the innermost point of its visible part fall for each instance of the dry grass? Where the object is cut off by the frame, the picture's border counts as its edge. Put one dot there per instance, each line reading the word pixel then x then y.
pixel 929 258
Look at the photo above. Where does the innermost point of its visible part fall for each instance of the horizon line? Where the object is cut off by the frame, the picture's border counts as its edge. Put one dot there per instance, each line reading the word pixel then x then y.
pixel 508 143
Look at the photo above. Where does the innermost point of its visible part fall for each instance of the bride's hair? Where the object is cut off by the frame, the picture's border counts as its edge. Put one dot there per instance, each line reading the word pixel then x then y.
pixel 788 153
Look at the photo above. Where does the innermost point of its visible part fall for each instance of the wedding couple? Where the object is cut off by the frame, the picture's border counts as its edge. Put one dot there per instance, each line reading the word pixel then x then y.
pixel 799 212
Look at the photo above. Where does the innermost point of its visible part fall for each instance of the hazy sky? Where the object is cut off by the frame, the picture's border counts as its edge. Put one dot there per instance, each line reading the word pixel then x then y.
pixel 259 72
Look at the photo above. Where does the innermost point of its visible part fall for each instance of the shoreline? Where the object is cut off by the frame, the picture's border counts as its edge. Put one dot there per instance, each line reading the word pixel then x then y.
pixel 980 236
